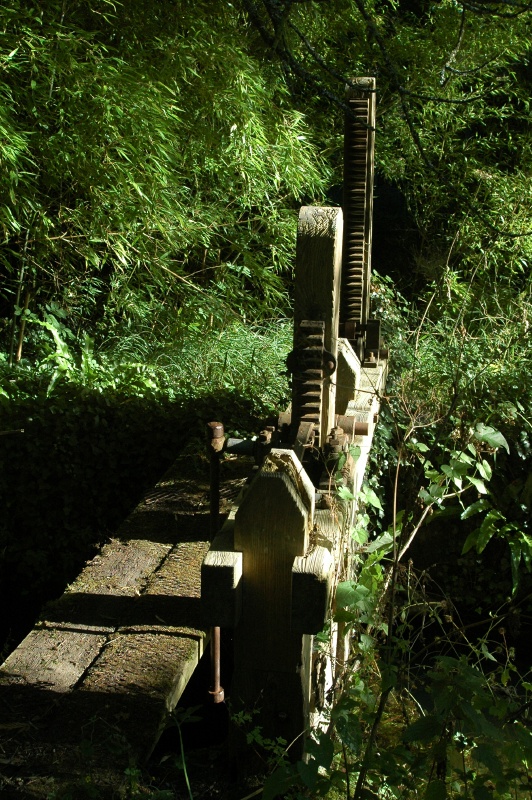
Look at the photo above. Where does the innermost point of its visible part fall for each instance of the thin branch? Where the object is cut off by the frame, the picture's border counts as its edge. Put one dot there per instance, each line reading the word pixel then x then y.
pixel 489 8
pixel 448 100
pixel 319 59
pixel 456 49
pixel 395 81
pixel 277 43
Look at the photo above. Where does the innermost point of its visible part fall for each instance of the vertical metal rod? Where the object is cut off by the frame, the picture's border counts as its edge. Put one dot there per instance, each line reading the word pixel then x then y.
pixel 215 443
pixel 217 691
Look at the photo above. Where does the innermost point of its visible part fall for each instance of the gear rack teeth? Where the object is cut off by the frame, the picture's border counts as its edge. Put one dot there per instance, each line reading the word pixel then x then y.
pixel 358 201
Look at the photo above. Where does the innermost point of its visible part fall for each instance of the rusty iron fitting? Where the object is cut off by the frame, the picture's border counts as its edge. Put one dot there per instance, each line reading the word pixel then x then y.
pixel 263 444
pixel 348 329
pixel 338 433
pixel 239 447
pixel 352 427
pixel 216 436
pixel 335 441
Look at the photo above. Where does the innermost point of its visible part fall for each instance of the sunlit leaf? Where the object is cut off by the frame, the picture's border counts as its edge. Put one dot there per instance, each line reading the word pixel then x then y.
pixel 487 434
pixel 475 508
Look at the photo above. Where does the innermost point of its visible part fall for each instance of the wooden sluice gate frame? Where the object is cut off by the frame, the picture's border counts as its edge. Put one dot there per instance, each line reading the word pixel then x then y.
pixel 124 639
pixel 271 573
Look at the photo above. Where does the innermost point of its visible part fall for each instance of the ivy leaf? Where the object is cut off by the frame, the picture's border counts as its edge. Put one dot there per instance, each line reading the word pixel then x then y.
pixel 344 493
pixel 350 732
pixel 479 485
pixel 380 543
pixel 488 529
pixel 486 652
pixel 278 783
pixel 436 790
pixel 475 508
pixel 485 470
pixel 366 643
pixel 487 434
pixel 369 496
pixel 423 729
pixel 308 773
pixel 345 594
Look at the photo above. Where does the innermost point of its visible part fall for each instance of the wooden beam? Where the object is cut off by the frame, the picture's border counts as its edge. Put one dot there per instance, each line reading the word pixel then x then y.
pixel 312 577
pixel 317 286
pixel 347 375
pixel 221 581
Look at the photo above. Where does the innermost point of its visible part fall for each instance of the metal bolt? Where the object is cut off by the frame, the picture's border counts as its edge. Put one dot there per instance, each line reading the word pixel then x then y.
pixel 215 435
pixel 335 440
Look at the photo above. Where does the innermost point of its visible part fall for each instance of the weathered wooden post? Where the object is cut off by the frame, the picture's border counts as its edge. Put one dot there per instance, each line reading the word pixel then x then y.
pixel 265 575
pixel 272 528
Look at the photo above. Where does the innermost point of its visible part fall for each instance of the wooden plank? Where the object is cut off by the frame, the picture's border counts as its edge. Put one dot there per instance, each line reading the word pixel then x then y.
pixel 221 572
pixel 170 603
pixel 143 664
pixel 118 648
pixel 221 581
pixel 287 461
pixel 54 658
pixel 347 375
pixel 367 402
pixel 272 528
pixel 73 630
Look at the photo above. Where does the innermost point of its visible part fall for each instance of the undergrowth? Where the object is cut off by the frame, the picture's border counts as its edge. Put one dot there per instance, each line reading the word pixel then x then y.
pixel 87 428
pixel 434 700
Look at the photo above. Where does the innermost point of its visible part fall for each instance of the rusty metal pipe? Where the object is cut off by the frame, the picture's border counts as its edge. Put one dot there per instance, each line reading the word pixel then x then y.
pixel 216 691
pixel 351 426
pixel 215 444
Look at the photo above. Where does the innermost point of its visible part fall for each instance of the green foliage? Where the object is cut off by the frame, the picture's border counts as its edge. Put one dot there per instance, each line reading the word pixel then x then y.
pixel 152 158
pixel 453 128
pixel 97 432
pixel 410 720
pixel 424 709
pixel 181 716
pixel 152 164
